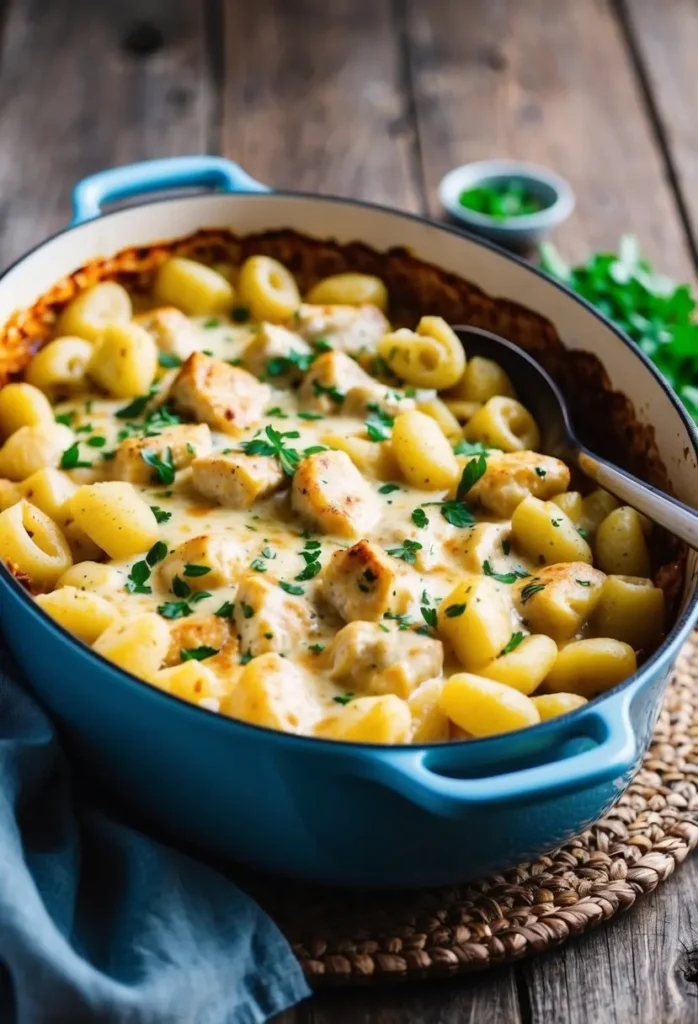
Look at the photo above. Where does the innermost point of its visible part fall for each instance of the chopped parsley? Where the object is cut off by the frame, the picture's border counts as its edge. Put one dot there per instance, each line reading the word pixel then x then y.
pixel 161 463
pixel 97 441
pixel 388 488
pixel 66 418
pixel 196 570
pixel 70 459
pixel 274 446
pixel 474 469
pixel 198 653
pixel 291 588
pixel 135 408
pixel 321 345
pixel 403 622
pixel 454 610
pixel 420 518
pixel 429 616
pixel 344 699
pixel 504 577
pixel 378 423
pixel 454 512
pixel 138 579
pixel 308 415
pixel 239 314
pixel 174 610
pixel 311 570
pixel 506 547
pixel 246 658
pixel 156 553
pixel 541 473
pixel 258 565
pixel 169 361
pixel 280 365
pixel 267 552
pixel 211 322
pixel 161 516
pixel 332 392
pixel 516 639
pixel 225 611
pixel 583 583
pixel 530 590
pixel 311 555
pixel 406 551
pixel 555 522
pixel 247 610
pixel 180 588
pixel 278 412
pixel 316 648
pixel 470 448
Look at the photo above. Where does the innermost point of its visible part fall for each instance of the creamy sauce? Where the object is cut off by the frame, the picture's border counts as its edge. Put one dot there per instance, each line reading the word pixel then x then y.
pixel 271 537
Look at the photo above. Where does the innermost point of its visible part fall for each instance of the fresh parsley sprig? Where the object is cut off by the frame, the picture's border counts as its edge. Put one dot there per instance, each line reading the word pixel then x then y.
pixel 656 312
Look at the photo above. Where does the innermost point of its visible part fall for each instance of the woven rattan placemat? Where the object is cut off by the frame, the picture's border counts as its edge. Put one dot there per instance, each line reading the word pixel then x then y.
pixel 346 937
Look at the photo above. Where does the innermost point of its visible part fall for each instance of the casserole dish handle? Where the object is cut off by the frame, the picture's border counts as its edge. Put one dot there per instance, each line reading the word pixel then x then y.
pixel 177 172
pixel 613 754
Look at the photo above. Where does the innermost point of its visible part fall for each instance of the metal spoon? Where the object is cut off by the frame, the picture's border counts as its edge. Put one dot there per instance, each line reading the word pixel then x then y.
pixel 541 395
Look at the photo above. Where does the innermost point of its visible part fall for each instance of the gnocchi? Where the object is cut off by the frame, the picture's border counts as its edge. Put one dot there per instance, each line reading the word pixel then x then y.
pixel 430 357
pixel 288 512
pixel 91 310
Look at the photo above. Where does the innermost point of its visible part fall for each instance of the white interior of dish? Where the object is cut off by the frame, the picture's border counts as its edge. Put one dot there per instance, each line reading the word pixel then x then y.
pixel 381 229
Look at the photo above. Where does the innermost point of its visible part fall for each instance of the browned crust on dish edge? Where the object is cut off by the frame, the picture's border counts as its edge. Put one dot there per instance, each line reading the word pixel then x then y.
pixel 605 420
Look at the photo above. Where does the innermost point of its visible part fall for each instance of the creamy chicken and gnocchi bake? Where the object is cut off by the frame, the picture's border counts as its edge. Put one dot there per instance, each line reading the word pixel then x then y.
pixel 286 510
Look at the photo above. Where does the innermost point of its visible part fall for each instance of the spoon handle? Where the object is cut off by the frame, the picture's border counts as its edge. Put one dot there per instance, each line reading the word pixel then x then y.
pixel 673 515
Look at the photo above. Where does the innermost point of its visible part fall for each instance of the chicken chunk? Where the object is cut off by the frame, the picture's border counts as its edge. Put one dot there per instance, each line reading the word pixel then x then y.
pixel 237 480
pixel 190 634
pixel 330 492
pixel 473 546
pixel 185 443
pixel 203 562
pixel 269 619
pixel 350 329
pixel 227 398
pixel 559 599
pixel 368 659
pixel 328 380
pixel 173 332
pixel 432 538
pixel 363 582
pixel 277 354
pixel 512 476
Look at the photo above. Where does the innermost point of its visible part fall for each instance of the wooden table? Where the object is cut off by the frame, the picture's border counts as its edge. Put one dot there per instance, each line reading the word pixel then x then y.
pixel 377 99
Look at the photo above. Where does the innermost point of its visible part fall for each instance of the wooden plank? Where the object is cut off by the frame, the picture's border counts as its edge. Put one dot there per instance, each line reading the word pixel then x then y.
pixel 631 970
pixel 548 81
pixel 487 997
pixel 314 98
pixel 85 85
pixel 664 38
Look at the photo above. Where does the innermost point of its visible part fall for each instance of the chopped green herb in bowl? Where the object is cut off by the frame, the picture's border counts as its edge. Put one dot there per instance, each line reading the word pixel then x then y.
pixel 511 202
pixel 501 200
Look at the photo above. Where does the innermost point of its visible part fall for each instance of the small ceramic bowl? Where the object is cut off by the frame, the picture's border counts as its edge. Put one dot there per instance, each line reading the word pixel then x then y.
pixel 518 232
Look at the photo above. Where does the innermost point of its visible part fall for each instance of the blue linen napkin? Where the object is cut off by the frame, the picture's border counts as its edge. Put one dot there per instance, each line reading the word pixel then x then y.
pixel 100 923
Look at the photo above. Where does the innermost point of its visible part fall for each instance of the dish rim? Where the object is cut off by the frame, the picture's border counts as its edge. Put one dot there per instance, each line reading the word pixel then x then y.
pixel 658 658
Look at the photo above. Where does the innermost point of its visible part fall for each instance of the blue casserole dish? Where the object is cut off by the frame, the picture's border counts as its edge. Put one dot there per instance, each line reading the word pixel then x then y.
pixel 312 808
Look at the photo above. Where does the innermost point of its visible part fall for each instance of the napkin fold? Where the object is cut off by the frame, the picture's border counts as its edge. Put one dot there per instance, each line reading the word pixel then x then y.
pixel 100 923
